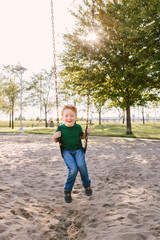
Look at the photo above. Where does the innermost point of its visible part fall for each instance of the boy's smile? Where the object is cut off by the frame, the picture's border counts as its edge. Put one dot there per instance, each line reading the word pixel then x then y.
pixel 69 117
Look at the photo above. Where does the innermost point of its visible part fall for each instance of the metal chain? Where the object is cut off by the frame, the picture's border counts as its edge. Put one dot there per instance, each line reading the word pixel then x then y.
pixel 90 64
pixel 55 67
pixel 54 60
pixel 93 12
pixel 90 72
pixel 88 94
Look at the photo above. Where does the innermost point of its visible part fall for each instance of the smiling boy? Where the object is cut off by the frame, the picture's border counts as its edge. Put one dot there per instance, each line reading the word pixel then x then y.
pixel 71 134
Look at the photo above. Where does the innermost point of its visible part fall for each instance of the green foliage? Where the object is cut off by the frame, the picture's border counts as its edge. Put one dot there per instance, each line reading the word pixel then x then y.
pixel 39 91
pixel 124 58
pixel 9 89
pixel 2 103
pixel 40 87
pixel 122 28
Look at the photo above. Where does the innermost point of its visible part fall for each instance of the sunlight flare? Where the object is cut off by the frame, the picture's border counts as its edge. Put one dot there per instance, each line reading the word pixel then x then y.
pixel 91 37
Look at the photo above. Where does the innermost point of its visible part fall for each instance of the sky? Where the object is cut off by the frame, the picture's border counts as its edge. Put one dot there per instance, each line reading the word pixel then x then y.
pixel 26 32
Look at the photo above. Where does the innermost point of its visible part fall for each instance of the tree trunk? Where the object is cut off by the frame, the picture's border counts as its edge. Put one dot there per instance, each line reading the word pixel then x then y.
pixel 12 119
pixel 128 116
pixel 143 116
pixel 46 125
pixel 12 114
pixel 123 117
pixel 100 119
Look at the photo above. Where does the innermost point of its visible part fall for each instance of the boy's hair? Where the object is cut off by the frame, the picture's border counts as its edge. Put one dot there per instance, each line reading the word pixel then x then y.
pixel 71 107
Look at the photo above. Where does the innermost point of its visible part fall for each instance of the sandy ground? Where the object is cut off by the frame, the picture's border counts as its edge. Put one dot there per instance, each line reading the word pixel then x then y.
pixel 125 175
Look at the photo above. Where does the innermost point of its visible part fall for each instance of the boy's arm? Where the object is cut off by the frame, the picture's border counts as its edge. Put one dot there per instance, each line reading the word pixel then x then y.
pixel 84 134
pixel 56 136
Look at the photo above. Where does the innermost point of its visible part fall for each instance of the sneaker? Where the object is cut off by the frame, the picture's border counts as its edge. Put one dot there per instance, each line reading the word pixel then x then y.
pixel 88 191
pixel 67 196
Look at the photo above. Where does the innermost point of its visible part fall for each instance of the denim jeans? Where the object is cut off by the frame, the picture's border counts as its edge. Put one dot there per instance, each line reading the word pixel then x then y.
pixel 75 160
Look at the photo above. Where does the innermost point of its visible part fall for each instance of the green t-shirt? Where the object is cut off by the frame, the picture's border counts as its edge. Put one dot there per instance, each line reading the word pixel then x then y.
pixel 70 136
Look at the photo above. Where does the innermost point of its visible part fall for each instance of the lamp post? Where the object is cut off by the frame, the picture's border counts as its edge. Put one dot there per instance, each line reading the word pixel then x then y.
pixel 20 70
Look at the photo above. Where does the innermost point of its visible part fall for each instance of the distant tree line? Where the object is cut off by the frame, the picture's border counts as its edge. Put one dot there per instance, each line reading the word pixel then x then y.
pixel 37 91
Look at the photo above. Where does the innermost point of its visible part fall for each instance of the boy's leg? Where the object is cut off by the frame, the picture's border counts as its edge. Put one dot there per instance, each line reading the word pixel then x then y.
pixel 72 169
pixel 81 163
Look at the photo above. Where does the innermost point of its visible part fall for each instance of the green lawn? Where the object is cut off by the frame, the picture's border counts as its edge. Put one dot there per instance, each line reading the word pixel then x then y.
pixel 139 130
pixel 147 130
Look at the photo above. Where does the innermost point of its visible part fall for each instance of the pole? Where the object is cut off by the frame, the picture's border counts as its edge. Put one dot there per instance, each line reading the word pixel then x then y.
pixel 21 127
pixel 20 69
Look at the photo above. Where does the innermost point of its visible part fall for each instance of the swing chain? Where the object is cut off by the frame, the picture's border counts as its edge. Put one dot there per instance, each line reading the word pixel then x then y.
pixel 90 64
pixel 54 60
pixel 93 13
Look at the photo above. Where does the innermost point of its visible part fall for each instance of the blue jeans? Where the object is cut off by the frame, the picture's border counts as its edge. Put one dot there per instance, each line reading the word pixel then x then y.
pixel 75 160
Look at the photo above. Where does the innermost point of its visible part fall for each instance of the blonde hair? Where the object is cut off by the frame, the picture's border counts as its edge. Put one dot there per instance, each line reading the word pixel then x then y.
pixel 71 107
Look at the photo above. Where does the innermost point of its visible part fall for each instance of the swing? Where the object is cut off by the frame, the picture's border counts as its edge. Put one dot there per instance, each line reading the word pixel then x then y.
pixel 55 73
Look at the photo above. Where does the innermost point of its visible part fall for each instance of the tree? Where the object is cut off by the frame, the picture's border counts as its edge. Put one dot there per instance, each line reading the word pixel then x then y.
pixel 150 37
pixel 10 93
pixel 1 93
pixel 127 74
pixel 122 70
pixel 79 71
pixel 40 91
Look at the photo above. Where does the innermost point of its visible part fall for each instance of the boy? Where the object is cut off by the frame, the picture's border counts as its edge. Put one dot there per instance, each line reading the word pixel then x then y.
pixel 71 134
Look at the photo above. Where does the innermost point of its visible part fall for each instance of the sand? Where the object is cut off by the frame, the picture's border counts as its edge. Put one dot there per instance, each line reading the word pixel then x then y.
pixel 125 175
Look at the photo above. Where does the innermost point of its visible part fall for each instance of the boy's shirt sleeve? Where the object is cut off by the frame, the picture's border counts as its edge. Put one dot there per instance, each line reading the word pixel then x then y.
pixel 81 131
pixel 57 130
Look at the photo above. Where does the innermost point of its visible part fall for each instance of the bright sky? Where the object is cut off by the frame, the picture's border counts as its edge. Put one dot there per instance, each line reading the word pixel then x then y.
pixel 26 33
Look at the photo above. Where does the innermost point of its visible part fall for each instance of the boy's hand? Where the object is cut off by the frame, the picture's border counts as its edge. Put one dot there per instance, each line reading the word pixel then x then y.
pixel 57 134
pixel 88 130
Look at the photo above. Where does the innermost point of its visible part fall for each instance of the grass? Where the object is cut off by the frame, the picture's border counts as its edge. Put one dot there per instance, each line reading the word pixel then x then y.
pixel 139 130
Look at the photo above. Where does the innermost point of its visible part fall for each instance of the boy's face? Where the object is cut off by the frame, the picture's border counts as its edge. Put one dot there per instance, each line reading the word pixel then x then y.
pixel 69 117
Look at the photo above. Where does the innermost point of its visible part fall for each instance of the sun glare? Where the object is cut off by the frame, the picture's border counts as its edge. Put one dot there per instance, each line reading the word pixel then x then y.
pixel 91 36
